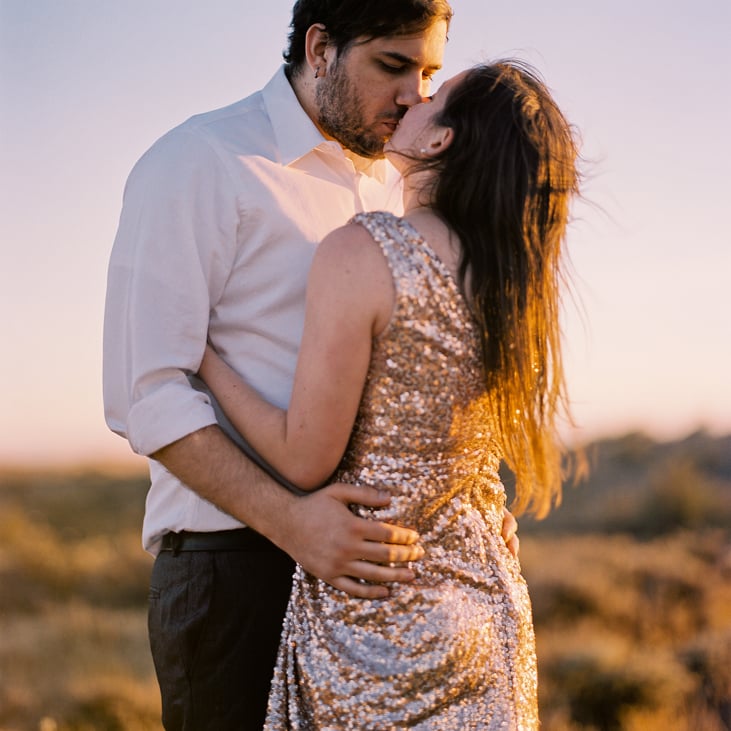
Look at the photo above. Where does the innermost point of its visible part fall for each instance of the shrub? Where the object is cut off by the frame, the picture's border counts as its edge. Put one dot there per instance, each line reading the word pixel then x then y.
pixel 679 497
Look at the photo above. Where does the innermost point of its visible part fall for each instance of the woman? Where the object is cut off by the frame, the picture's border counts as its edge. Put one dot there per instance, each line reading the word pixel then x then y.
pixel 430 352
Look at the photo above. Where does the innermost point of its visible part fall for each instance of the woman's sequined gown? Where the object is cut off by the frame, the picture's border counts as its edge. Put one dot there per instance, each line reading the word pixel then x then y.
pixel 454 649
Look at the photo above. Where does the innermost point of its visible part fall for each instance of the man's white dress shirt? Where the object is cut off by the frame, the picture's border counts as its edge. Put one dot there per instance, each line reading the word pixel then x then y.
pixel 218 228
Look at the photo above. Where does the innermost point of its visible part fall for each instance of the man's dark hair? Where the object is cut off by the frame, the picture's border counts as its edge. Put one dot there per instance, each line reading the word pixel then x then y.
pixel 346 20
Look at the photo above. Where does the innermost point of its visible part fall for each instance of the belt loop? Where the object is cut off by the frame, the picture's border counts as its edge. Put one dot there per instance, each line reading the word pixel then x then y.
pixel 176 541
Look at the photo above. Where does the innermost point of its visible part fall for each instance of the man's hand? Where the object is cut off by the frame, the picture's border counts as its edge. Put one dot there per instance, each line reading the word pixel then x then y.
pixel 329 541
pixel 510 532
pixel 356 554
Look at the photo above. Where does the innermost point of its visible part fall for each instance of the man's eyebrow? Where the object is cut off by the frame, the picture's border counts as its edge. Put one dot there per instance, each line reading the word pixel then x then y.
pixel 409 60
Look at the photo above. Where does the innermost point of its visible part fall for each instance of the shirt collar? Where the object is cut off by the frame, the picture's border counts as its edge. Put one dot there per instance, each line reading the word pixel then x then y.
pixel 297 135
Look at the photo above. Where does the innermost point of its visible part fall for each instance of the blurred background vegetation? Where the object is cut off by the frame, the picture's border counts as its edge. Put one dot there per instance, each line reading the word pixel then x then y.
pixel 630 580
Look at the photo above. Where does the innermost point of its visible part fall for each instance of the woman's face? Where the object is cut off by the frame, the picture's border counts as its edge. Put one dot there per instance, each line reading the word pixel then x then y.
pixel 415 130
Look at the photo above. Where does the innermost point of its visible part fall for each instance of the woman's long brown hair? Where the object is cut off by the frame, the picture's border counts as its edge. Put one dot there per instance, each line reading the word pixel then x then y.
pixel 505 185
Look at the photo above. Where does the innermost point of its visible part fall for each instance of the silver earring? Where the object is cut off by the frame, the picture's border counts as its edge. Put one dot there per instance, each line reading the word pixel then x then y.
pixel 422 151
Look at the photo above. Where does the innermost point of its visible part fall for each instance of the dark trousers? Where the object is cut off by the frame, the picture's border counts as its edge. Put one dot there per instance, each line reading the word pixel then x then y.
pixel 215 618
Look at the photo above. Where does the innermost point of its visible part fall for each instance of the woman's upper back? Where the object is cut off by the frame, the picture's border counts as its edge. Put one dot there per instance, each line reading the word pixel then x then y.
pixel 424 415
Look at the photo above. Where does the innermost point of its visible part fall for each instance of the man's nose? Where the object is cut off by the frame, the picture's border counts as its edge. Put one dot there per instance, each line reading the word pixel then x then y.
pixel 412 91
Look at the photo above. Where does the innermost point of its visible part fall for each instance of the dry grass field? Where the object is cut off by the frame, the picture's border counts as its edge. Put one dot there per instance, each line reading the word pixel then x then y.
pixel 73 577
pixel 630 580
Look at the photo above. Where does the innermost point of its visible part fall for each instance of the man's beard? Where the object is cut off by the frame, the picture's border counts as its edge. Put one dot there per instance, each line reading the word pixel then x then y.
pixel 341 115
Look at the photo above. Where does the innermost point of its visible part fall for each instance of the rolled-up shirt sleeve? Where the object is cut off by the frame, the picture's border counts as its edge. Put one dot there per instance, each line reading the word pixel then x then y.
pixel 171 258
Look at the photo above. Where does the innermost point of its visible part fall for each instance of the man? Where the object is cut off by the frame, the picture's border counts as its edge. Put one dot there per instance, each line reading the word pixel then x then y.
pixel 219 224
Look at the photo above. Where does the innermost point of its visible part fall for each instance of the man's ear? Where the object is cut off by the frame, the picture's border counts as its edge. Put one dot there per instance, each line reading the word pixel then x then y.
pixel 316 44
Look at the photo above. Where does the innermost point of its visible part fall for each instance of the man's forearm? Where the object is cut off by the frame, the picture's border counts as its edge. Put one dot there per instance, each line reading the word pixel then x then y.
pixel 211 465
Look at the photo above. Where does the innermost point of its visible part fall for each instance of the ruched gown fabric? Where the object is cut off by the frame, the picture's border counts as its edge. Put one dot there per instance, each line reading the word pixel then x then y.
pixel 454 649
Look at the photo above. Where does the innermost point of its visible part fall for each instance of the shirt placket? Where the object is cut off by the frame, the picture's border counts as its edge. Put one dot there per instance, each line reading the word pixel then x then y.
pixel 367 192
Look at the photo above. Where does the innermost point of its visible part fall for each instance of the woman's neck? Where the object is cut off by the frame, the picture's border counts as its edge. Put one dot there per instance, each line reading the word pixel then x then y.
pixel 416 195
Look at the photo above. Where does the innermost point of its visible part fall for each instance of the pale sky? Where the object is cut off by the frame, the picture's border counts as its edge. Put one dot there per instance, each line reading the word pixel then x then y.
pixel 87 85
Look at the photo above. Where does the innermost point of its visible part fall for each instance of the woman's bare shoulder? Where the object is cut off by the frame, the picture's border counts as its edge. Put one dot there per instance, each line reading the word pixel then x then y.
pixel 351 247
pixel 351 265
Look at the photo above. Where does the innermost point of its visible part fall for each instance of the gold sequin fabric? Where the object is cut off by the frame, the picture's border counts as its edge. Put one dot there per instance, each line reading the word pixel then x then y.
pixel 454 649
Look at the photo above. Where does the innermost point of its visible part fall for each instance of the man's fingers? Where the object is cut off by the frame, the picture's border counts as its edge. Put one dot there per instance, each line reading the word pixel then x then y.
pixel 510 525
pixel 510 532
pixel 366 580
pixel 514 546
pixel 365 495
pixel 389 553
pixel 359 494
pixel 373 530
pixel 375 573
pixel 357 589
